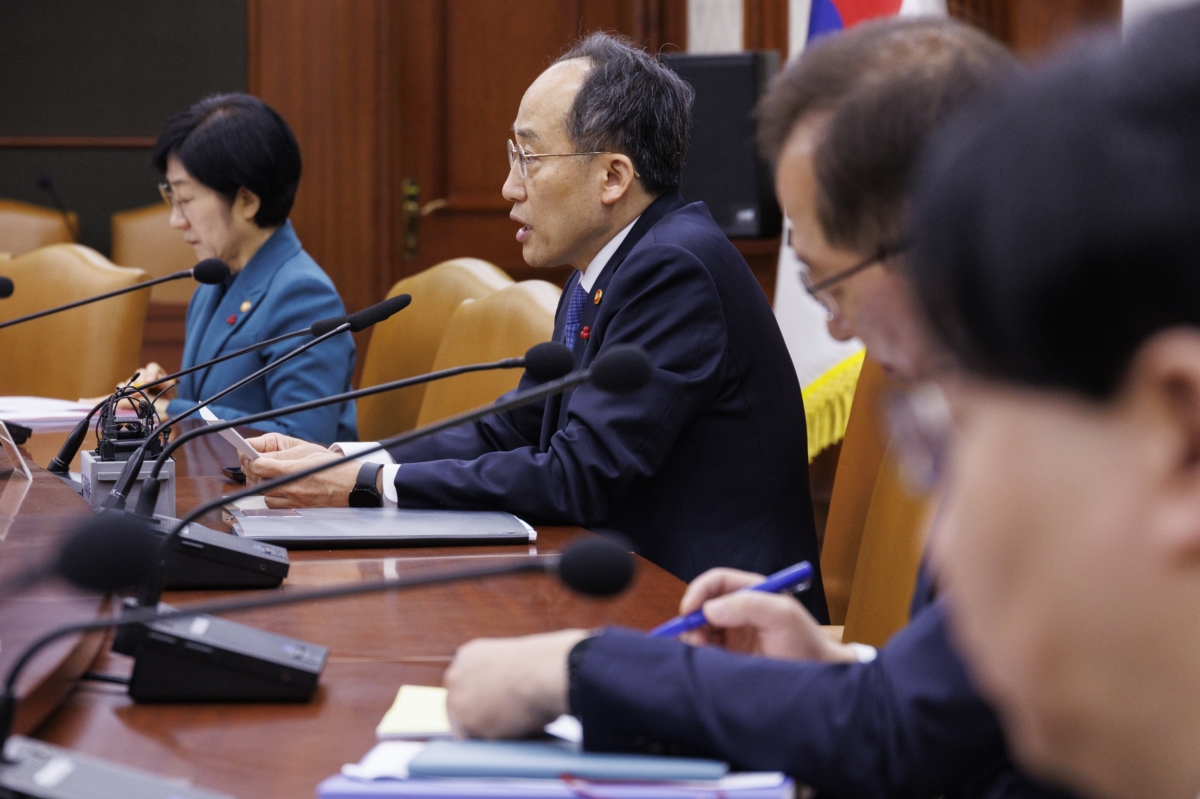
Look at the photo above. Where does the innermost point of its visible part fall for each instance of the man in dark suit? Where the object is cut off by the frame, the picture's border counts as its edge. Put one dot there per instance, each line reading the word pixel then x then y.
pixel 706 465
pixel 844 125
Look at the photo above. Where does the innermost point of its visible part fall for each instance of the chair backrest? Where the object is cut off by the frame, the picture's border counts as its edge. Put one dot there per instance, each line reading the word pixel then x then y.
pixel 25 227
pixel 501 325
pixel 143 239
pixel 407 344
pixel 83 352
pixel 857 469
pixel 893 543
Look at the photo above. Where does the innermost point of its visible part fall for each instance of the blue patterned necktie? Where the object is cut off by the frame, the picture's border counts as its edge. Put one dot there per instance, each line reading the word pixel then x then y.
pixel 574 316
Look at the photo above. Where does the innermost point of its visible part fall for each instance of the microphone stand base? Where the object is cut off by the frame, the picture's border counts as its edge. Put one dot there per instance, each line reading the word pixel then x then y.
pixel 203 558
pixel 99 477
pixel 44 771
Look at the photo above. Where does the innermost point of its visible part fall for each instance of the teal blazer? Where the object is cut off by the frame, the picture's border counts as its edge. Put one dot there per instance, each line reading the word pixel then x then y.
pixel 280 290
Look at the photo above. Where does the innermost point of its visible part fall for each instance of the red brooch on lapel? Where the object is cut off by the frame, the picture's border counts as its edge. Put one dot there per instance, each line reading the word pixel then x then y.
pixel 586 333
pixel 232 319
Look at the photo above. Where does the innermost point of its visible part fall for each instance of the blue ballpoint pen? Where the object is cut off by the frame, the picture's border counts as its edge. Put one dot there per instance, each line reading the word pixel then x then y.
pixel 790 577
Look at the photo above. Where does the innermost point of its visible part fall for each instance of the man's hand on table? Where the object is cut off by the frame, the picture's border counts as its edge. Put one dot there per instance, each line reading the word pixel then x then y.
pixel 509 687
pixel 283 455
pixel 772 625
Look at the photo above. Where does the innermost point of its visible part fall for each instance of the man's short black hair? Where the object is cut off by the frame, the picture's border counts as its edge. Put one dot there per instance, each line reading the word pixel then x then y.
pixel 1059 227
pixel 630 103
pixel 884 86
pixel 231 141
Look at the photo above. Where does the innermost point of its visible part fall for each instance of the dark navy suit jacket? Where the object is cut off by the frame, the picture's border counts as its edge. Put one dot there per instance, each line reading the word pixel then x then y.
pixel 281 289
pixel 705 466
pixel 908 724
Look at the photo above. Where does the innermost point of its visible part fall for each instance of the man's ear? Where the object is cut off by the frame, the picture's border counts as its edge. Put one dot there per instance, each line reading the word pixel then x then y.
pixel 1165 380
pixel 619 176
pixel 246 204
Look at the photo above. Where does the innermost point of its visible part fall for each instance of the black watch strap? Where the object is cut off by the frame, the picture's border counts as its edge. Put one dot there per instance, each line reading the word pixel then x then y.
pixel 365 494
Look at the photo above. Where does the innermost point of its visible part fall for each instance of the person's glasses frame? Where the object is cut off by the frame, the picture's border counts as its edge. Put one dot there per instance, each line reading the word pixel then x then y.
pixel 518 155
pixel 168 196
pixel 820 291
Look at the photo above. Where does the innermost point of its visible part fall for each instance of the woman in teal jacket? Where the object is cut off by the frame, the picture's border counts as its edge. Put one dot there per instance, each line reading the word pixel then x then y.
pixel 232 167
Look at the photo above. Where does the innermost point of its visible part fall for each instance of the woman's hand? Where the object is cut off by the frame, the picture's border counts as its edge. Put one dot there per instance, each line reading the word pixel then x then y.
pixel 772 625
pixel 147 374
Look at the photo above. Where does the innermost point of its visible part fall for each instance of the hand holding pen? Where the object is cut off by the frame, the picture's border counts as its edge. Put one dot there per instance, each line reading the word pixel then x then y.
pixel 786 579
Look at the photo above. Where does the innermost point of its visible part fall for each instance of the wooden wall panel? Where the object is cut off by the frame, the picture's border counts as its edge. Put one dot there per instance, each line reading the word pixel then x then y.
pixel 1033 27
pixel 325 67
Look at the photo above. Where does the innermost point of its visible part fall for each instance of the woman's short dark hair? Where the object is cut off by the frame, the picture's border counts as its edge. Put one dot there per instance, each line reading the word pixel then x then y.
pixel 630 103
pixel 1058 228
pixel 233 141
pixel 885 86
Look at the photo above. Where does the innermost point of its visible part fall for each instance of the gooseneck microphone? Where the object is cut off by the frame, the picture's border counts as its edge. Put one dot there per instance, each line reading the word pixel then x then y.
pixel 620 369
pixel 209 271
pixel 70 448
pixel 592 566
pixel 546 361
pixel 96 558
pixel 205 558
pixel 323 330
pixel 6 288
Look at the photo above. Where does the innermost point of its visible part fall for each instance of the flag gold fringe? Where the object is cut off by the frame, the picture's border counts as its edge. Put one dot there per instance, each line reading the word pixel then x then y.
pixel 827 402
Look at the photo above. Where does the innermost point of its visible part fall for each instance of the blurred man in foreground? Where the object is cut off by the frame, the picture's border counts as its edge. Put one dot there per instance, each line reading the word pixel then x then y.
pixel 844 124
pixel 1058 254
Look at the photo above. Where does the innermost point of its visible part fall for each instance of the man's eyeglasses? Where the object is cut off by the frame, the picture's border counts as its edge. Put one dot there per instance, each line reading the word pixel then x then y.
pixel 820 291
pixel 518 155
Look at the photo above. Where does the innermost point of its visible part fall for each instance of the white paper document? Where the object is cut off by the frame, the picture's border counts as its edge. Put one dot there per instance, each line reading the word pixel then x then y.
pixel 231 435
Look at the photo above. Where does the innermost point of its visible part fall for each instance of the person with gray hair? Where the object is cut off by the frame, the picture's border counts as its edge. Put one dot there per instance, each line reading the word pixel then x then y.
pixel 705 466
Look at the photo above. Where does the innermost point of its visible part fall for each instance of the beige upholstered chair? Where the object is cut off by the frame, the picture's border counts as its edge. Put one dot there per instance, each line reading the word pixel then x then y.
pixel 875 535
pixel 83 352
pixel 25 227
pixel 406 344
pixel 143 239
pixel 501 325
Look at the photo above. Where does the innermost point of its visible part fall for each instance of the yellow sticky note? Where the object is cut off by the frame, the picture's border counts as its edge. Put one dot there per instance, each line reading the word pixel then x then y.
pixel 418 712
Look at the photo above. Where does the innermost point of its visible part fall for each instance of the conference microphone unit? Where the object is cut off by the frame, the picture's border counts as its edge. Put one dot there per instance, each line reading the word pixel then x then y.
pixel 6 288
pixel 322 331
pixel 62 462
pixel 206 659
pixel 200 557
pixel 210 271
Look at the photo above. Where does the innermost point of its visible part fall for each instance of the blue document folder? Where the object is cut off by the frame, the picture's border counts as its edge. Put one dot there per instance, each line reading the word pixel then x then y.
pixel 546 760
pixel 341 787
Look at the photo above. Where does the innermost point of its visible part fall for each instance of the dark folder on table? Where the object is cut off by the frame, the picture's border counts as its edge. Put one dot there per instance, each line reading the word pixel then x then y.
pixel 332 528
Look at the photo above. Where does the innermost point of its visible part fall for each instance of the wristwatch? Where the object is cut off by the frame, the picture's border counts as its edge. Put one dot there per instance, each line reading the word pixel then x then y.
pixel 365 494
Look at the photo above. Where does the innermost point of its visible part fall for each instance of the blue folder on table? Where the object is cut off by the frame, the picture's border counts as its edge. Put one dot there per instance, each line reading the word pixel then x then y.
pixel 536 769
pixel 547 760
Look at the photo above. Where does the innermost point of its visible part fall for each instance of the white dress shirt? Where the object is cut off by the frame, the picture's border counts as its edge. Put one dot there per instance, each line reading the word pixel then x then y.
pixel 390 469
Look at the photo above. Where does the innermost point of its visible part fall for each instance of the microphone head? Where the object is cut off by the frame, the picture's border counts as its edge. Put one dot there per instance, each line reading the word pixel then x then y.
pixel 323 326
pixel 596 566
pixel 621 369
pixel 378 312
pixel 6 288
pixel 108 552
pixel 210 271
pixel 548 361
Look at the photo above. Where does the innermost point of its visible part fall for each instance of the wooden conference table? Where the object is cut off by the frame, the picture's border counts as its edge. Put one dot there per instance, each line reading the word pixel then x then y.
pixel 377 642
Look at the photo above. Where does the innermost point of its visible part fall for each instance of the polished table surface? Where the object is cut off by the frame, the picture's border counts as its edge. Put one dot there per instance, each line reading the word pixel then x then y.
pixel 377 643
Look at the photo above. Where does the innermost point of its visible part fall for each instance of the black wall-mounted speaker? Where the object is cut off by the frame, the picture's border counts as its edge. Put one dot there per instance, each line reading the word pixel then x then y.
pixel 722 168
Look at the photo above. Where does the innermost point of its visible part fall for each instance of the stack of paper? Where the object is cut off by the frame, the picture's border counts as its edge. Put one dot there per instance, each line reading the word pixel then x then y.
pixel 46 414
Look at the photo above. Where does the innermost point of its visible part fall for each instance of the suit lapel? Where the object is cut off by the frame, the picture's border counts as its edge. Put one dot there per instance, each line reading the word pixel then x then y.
pixel 585 348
